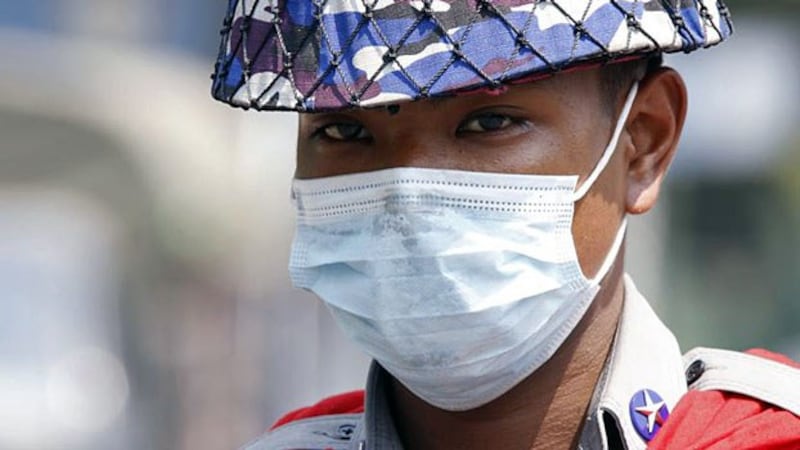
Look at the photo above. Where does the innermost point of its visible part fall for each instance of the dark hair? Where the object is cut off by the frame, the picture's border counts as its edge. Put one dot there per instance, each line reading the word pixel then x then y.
pixel 617 78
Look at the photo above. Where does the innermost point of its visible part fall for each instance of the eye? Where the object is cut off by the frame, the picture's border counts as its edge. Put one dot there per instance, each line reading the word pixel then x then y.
pixel 486 123
pixel 344 132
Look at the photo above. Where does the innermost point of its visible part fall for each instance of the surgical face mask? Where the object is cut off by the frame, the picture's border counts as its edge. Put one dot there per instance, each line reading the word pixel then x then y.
pixel 460 284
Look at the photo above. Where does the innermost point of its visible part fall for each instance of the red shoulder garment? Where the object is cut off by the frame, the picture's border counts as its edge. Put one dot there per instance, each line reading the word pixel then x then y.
pixel 716 420
pixel 347 403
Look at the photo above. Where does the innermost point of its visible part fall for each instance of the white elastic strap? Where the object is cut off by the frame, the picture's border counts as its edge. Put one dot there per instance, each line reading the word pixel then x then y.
pixel 609 151
pixel 612 252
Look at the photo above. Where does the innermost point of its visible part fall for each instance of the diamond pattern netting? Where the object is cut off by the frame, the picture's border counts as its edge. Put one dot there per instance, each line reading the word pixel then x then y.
pixel 311 55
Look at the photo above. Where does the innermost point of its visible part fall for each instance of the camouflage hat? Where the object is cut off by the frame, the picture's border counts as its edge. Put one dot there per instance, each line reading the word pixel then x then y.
pixel 319 55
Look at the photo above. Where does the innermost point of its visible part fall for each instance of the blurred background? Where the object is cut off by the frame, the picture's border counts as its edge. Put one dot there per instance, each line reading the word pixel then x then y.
pixel 144 228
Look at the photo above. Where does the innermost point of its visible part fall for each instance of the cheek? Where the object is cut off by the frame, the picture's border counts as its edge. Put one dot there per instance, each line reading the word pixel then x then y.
pixel 543 151
pixel 317 161
pixel 598 216
pixel 571 144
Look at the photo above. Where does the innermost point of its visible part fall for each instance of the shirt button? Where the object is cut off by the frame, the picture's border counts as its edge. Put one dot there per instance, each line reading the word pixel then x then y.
pixel 345 432
pixel 695 371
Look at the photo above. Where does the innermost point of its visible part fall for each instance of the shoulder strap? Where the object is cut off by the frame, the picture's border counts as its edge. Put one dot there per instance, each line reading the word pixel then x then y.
pixel 345 403
pixel 746 374
pixel 336 432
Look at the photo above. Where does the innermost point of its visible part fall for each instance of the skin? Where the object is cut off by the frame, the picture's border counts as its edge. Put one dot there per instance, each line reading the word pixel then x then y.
pixel 553 126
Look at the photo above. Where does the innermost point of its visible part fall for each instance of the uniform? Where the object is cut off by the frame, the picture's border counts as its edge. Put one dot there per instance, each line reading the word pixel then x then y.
pixel 318 56
pixel 705 399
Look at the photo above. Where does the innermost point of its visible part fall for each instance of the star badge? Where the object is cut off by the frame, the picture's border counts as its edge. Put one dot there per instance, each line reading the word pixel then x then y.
pixel 648 413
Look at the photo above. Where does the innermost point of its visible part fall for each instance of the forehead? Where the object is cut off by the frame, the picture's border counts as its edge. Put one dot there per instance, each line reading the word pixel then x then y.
pixel 576 89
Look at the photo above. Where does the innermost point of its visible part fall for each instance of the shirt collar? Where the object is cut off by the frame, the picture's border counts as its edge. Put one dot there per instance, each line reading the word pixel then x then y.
pixel 378 430
pixel 645 355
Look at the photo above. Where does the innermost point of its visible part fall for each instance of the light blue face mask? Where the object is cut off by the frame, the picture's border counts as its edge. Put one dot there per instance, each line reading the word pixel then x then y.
pixel 460 284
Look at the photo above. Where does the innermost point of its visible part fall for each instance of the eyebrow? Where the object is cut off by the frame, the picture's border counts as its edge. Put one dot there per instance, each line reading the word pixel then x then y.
pixel 438 101
pixel 435 102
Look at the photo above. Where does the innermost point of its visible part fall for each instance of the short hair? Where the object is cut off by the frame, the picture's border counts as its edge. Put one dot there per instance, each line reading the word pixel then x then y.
pixel 617 78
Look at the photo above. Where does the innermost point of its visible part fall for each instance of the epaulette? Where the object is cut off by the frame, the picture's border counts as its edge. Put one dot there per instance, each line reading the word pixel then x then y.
pixel 735 400
pixel 758 374
pixel 345 403
pixel 333 432
pixel 333 423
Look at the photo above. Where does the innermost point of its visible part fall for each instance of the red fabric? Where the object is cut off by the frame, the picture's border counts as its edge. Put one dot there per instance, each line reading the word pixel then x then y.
pixel 716 420
pixel 347 403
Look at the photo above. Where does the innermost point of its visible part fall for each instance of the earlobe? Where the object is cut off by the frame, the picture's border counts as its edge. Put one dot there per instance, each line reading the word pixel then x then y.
pixel 654 128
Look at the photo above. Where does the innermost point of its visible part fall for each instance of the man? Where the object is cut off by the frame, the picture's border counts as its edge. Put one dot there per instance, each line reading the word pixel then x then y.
pixel 464 171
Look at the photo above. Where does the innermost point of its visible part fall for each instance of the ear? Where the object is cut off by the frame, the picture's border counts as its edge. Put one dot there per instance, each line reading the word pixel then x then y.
pixel 654 127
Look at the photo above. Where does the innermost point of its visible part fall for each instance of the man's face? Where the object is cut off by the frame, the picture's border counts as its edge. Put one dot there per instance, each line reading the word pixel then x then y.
pixel 556 126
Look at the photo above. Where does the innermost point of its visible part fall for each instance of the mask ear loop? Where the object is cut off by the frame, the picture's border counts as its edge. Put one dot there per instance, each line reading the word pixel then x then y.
pixel 592 178
pixel 611 256
pixel 612 146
